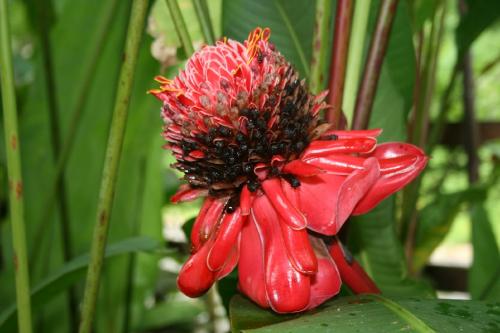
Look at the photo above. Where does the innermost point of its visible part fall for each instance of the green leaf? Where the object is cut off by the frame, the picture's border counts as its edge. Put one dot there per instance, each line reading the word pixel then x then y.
pixel 240 17
pixel 484 275
pixel 436 219
pixel 371 313
pixel 478 17
pixel 71 272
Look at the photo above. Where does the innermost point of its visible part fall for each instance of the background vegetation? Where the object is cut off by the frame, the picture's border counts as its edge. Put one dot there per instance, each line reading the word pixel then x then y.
pixel 67 57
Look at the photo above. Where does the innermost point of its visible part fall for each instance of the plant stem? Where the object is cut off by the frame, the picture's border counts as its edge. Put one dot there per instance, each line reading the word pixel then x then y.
pixel 203 15
pixel 373 66
pixel 104 26
pixel 293 35
pixel 356 46
pixel 43 30
pixel 180 27
pixel 112 161
pixel 340 47
pixel 16 200
pixel 321 40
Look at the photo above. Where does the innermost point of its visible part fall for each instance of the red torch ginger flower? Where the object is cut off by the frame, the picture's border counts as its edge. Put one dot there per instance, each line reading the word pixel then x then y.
pixel 247 134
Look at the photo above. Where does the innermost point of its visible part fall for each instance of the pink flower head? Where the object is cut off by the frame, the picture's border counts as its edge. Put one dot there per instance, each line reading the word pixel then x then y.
pixel 247 135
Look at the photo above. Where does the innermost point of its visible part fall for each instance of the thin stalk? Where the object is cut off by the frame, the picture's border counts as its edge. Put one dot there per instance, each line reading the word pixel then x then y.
pixel 321 40
pixel 104 27
pixel 356 46
pixel 471 128
pixel 340 47
pixel 293 35
pixel 43 30
pixel 203 16
pixel 112 161
pixel 373 66
pixel 16 200
pixel 180 27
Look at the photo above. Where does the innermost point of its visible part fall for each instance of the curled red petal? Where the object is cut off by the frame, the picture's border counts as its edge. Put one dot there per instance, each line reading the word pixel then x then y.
pixel 341 146
pixel 326 282
pixel 287 289
pixel 195 278
pixel 231 262
pixel 394 177
pixel 204 223
pixel 337 164
pixel 225 239
pixel 246 200
pixel 300 168
pixel 186 193
pixel 251 279
pixel 327 200
pixel 195 231
pixel 372 133
pixel 351 271
pixel 288 212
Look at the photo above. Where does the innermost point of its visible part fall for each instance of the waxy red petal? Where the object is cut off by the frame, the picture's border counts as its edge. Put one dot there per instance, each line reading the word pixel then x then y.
pixel 351 272
pixel 203 225
pixel 287 289
pixel 338 164
pixel 326 282
pixel 246 200
pixel 288 212
pixel 225 239
pixel 328 200
pixel 341 146
pixel 186 193
pixel 370 133
pixel 195 278
pixel 300 168
pixel 251 279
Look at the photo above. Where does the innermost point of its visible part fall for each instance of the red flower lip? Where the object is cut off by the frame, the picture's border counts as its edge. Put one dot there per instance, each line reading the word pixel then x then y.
pixel 247 135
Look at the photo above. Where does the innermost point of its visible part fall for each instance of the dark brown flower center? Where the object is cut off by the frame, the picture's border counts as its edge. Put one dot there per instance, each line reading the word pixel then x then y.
pixel 269 138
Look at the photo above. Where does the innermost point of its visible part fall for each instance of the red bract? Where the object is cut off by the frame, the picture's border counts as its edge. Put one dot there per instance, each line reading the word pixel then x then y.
pixel 247 135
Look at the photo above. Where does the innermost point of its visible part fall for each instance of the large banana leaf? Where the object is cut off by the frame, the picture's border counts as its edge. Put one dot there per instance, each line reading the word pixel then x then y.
pixel 371 313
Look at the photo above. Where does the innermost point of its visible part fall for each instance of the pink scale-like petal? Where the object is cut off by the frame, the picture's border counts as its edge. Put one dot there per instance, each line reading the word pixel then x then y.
pixel 326 282
pixel 225 239
pixel 320 148
pixel 327 200
pixel 287 289
pixel 251 279
pixel 290 214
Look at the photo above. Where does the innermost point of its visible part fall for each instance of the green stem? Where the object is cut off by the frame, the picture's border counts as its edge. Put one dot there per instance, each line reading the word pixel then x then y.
pixel 203 16
pixel 104 27
pixel 356 46
pixel 112 161
pixel 373 66
pixel 321 40
pixel 293 35
pixel 180 27
pixel 12 148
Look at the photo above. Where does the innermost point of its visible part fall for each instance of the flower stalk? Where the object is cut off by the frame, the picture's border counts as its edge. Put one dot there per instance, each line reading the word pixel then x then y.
pixel 373 66
pixel 321 39
pixel 12 148
pixel 180 27
pixel 340 48
pixel 356 46
pixel 203 15
pixel 112 160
